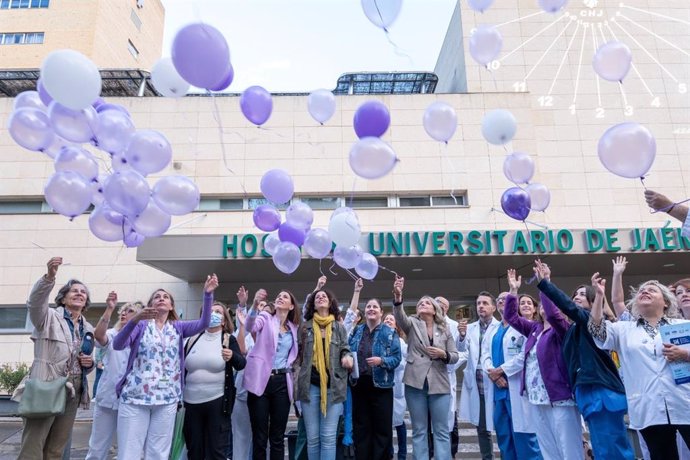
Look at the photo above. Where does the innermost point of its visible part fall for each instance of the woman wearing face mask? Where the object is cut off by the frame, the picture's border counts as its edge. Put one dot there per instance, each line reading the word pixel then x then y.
pixel 268 373
pixel 153 383
pixel 209 393
pixel 593 375
pixel 658 406
pixel 115 362
pixel 324 360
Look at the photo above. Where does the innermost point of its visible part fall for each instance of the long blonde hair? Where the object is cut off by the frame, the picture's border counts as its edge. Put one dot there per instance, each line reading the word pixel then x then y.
pixel 439 317
pixel 670 301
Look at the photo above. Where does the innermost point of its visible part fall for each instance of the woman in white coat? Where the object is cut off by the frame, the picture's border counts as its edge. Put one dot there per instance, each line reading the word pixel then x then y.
pixel 503 359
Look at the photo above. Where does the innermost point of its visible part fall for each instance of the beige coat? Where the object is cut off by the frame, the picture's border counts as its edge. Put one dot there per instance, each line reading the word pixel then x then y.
pixel 50 336
pixel 420 366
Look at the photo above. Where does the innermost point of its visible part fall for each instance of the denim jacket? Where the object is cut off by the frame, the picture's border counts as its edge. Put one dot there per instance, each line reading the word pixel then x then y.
pixel 386 345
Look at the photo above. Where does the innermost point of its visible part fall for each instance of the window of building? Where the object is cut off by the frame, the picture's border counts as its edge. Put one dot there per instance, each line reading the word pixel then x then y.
pixel 321 202
pixel 447 200
pixel 227 204
pixel 16 4
pixel 21 38
pixel 135 19
pixel 414 201
pixel 14 318
pixel 132 49
pixel 21 207
pixel 367 202
pixel 253 203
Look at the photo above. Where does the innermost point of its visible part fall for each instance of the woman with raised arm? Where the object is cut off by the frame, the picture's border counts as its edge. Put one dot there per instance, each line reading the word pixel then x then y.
pixel 545 377
pixel 268 373
pixel 599 391
pixel 57 336
pixel 354 316
pixel 324 360
pixel 153 384
pixel 427 387
pixel 105 410
pixel 378 355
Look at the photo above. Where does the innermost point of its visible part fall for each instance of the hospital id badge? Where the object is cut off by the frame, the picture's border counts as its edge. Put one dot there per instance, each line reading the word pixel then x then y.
pixel 163 383
pixel 512 351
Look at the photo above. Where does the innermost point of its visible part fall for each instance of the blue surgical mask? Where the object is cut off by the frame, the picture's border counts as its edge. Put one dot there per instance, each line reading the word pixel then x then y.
pixel 216 319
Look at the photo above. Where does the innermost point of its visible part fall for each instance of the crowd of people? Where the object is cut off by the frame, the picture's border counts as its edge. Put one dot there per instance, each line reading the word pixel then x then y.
pixel 537 372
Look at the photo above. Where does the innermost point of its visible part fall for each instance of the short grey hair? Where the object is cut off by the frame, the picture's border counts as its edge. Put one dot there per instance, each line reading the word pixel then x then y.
pixel 60 297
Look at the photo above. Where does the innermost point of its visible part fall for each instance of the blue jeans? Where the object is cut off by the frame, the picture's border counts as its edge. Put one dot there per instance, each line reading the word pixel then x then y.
pixel 322 432
pixel 420 404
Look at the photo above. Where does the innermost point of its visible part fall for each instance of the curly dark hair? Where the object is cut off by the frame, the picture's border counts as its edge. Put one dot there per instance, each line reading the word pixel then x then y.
pixel 60 297
pixel 333 307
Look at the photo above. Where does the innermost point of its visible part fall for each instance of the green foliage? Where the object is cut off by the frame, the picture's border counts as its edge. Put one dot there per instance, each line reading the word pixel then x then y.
pixel 11 375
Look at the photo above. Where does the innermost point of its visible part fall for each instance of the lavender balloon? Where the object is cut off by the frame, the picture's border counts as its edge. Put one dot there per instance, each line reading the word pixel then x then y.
pixel 256 104
pixel 119 162
pixel 367 267
pixel 276 185
pixel 106 224
pixel 480 5
pixel 54 148
pixel 318 243
pixel 97 103
pixel 227 79
pixel 516 203
pixel 76 159
pixel 97 187
pixel 321 105
pixel 266 218
pixel 176 195
pixel 30 128
pixel 152 221
pixel 300 215
pixel 271 242
pixel 74 125
pixel 348 257
pixel 518 167
pixel 114 131
pixel 627 150
pixel 68 193
pixel 288 232
pixel 287 257
pixel 372 158
pixel 127 192
pixel 42 93
pixel 552 6
pixel 28 99
pixel 201 55
pixel 371 119
pixel 132 239
pixel 485 44
pixel 539 196
pixel 148 152
pixel 104 107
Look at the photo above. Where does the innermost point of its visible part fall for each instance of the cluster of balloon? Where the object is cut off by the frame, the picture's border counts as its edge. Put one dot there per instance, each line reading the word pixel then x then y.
pixel 612 61
pixel 371 157
pixel 64 113
pixel 345 232
pixel 382 13
pixel 627 150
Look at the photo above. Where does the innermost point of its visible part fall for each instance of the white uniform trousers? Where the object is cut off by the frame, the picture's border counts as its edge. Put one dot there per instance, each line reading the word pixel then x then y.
pixel 102 431
pixel 559 431
pixel 145 430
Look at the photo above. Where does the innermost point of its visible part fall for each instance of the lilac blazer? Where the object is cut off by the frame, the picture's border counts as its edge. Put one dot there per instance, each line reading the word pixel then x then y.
pixel 549 349
pixel 130 336
pixel 260 359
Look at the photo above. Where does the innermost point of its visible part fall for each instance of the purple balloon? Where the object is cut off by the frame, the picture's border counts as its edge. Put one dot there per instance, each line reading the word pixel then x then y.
pixel 103 107
pixel 516 203
pixel 68 193
pixel 114 131
pixel 227 80
pixel 74 125
pixel 148 152
pixel 127 192
pixel 106 224
pixel 28 99
pixel 132 239
pixel 276 186
pixel 266 218
pixel 31 129
pixel 43 94
pixel 288 232
pixel 256 104
pixel 176 195
pixel 97 103
pixel 201 55
pixel 76 159
pixel 371 119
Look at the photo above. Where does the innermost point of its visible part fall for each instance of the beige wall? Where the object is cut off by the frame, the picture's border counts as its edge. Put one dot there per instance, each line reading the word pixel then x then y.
pixel 99 29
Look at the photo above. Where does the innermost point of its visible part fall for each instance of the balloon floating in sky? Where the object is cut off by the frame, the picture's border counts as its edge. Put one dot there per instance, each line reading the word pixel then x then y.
pixel 612 61
pixel 201 56
pixel 485 44
pixel 382 13
pixel 440 121
pixel 516 203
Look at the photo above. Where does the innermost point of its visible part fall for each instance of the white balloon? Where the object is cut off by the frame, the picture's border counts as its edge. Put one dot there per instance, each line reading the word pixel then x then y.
pixel 68 193
pixel 318 243
pixel 71 78
pixel 479 5
pixel 552 6
pixel 372 158
pixel 499 127
pixel 348 257
pixel 271 242
pixel 300 215
pixel 367 267
pixel 382 13
pixel 518 167
pixel 321 105
pixel 485 44
pixel 344 229
pixel 152 221
pixel 440 121
pixel 627 150
pixel 166 80
pixel 540 196
pixel 612 60
pixel 287 257
pixel 176 195
pixel 76 159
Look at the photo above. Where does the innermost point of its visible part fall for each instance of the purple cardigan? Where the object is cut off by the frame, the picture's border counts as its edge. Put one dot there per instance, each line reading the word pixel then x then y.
pixel 549 355
pixel 260 359
pixel 130 336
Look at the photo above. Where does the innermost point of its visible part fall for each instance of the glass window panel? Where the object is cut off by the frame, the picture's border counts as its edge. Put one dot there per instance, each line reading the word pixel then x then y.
pixel 367 202
pixel 24 4
pixel 207 204
pixel 447 200
pixel 15 4
pixel 18 38
pixel 5 4
pixel 322 202
pixel 13 317
pixel 20 207
pixel 362 77
pixel 256 202
pixel 236 203
pixel 414 201
pixel 45 3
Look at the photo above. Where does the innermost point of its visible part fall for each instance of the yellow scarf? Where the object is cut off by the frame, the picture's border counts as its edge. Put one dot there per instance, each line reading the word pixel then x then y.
pixel 318 360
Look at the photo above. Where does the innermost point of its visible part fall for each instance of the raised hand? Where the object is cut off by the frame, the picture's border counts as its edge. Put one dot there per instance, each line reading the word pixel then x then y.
pixel 145 313
pixel 541 270
pixel 321 283
pixel 398 287
pixel 359 284
pixel 211 283
pixel 619 264
pixel 241 317
pixel 111 301
pixel 462 328
pixel 513 282
pixel 656 200
pixel 260 296
pixel 599 284
pixel 242 296
pixel 53 265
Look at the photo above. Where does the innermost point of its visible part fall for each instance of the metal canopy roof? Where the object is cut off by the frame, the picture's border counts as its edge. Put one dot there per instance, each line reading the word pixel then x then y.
pixel 386 83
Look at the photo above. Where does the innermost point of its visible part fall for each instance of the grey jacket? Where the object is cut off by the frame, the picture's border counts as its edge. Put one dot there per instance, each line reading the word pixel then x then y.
pixel 338 374
pixel 420 366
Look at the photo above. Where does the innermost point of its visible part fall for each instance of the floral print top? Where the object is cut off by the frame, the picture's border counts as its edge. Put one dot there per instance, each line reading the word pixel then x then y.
pixel 536 390
pixel 155 376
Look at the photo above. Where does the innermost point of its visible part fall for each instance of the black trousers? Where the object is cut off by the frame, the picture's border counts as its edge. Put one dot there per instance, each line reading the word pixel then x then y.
pixel 661 440
pixel 268 415
pixel 372 420
pixel 206 430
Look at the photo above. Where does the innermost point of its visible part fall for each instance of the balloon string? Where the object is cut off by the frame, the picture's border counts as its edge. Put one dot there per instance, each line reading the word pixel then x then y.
pixel 642 181
pixel 454 173
pixel 188 221
pixel 352 275
pixel 389 270
pixel 352 193
pixel 493 77
pixel 219 123
pixel 117 257
pixel 320 268
pixel 396 49
pixel 41 247
pixel 531 280
pixel 546 227
pixel 330 269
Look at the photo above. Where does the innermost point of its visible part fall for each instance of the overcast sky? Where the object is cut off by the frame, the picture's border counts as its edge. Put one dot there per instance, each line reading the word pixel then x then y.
pixel 302 45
